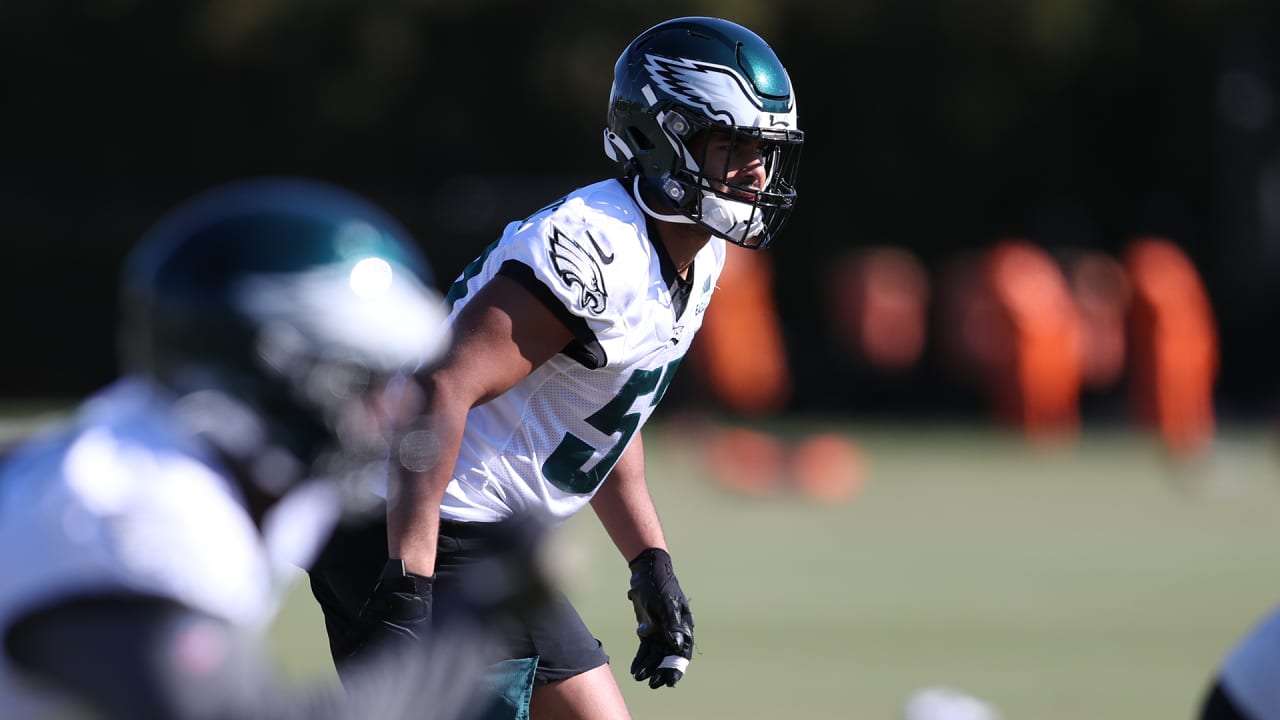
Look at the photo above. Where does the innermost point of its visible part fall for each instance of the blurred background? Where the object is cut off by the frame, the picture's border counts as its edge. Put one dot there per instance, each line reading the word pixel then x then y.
pixel 1037 250
pixel 935 127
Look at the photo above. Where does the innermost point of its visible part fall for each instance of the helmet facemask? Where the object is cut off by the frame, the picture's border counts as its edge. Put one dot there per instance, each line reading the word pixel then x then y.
pixel 737 210
pixel 280 405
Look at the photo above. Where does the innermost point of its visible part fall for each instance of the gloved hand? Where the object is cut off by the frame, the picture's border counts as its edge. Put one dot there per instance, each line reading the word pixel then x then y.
pixel 663 621
pixel 397 612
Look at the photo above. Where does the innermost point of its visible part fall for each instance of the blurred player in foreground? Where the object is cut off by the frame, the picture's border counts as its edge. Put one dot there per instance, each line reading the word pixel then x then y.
pixel 567 331
pixel 1247 685
pixel 946 703
pixel 144 543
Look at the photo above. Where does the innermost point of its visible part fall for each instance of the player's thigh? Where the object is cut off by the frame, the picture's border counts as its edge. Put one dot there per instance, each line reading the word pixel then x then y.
pixel 343 575
pixel 592 695
pixel 554 632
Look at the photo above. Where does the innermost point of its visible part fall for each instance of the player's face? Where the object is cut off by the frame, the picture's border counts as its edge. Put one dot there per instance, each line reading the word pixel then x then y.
pixel 739 161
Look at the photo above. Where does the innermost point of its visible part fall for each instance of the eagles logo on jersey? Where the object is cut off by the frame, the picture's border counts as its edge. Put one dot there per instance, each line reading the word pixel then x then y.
pixel 578 267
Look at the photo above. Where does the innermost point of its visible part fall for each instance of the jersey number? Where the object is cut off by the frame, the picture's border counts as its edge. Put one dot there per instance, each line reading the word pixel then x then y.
pixel 458 289
pixel 564 467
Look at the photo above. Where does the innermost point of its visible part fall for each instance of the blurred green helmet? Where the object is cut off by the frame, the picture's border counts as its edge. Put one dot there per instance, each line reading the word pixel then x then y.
pixel 688 76
pixel 285 299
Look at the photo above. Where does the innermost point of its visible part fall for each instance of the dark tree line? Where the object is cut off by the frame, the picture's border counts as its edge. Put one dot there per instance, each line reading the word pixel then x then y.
pixel 932 125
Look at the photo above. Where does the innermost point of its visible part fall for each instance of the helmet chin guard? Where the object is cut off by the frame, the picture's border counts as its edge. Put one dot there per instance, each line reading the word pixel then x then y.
pixel 737 222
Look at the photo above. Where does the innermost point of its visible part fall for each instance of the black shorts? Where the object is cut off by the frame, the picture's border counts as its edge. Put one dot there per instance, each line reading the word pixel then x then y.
pixel 347 569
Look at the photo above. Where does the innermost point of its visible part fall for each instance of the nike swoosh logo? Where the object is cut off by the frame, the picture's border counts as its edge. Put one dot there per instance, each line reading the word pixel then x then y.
pixel 607 259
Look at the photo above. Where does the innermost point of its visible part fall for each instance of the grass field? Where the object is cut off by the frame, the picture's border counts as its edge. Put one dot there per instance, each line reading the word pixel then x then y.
pixel 1098 582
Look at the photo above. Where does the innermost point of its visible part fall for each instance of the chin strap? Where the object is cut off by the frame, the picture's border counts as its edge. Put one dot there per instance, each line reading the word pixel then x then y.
pixel 732 220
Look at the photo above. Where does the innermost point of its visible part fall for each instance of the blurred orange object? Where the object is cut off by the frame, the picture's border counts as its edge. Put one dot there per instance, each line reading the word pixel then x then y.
pixel 740 354
pixel 828 467
pixel 880 298
pixel 1033 363
pixel 965 319
pixel 1175 345
pixel 745 460
pixel 1103 294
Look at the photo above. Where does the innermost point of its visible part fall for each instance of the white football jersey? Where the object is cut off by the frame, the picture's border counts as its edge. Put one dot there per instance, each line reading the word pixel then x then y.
pixel 1251 673
pixel 549 442
pixel 118 500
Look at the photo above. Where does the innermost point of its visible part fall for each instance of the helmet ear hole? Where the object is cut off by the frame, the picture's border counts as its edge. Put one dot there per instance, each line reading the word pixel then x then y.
pixel 638 139
pixel 677 125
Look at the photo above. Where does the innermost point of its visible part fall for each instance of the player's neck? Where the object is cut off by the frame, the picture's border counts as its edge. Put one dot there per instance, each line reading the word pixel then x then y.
pixel 680 240
pixel 682 243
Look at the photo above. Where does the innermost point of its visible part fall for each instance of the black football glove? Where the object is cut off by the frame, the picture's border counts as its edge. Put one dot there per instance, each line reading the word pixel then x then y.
pixel 397 613
pixel 663 620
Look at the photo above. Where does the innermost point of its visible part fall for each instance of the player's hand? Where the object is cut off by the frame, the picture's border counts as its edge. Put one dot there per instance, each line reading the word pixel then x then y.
pixel 663 620
pixel 397 613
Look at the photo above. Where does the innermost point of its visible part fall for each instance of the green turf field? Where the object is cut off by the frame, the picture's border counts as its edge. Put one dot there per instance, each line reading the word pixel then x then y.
pixel 1096 583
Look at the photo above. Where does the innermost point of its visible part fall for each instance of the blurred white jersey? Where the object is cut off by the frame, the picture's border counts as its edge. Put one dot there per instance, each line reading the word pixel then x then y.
pixel 1251 673
pixel 549 442
pixel 120 501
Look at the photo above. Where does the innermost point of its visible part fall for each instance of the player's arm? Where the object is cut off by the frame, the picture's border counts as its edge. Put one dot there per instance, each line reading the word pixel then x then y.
pixel 501 335
pixel 664 622
pixel 625 508
pixel 126 656
pixel 498 338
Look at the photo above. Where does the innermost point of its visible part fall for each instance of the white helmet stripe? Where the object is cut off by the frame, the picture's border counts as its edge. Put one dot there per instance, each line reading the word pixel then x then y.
pixel 391 323
pixel 720 91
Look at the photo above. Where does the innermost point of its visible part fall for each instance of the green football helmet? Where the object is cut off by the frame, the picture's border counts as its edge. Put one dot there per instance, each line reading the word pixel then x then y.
pixel 274 305
pixel 688 76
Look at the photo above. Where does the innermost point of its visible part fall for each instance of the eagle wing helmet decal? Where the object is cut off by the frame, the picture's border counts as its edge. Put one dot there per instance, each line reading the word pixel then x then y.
pixel 721 91
pixel 577 266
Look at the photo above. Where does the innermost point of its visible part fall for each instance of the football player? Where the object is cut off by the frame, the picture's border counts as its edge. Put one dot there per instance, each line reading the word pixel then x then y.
pixel 566 333
pixel 268 328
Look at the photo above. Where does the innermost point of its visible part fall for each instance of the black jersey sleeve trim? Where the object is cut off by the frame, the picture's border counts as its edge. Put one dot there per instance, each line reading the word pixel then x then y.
pixel 585 349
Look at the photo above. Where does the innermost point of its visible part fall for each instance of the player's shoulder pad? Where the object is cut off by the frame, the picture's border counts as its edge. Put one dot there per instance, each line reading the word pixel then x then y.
pixel 589 250
pixel 169 524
